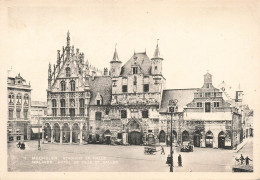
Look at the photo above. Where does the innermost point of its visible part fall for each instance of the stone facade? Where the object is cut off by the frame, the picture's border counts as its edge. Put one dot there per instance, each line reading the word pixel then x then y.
pixel 19 104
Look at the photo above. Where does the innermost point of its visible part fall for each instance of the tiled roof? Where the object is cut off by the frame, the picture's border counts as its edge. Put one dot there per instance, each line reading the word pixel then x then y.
pixel 142 61
pixel 184 96
pixel 103 86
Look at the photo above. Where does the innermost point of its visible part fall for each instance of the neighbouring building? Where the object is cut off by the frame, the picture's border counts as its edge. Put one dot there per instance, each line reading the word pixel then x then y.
pixel 201 116
pixel 38 109
pixel 19 104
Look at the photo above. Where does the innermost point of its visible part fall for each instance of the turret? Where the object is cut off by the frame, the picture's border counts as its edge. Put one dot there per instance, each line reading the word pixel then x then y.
pixel 49 76
pixel 207 81
pixel 115 65
pixel 157 61
pixel 68 43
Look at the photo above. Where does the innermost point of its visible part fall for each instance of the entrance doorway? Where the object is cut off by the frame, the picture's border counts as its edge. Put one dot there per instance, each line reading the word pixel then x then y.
pixel 134 138
pixel 162 136
pixel 185 136
pixel 209 139
pixel 221 140
pixel 197 138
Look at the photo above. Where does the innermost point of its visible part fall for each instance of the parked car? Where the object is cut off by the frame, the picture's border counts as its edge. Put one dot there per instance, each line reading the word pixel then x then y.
pixel 186 147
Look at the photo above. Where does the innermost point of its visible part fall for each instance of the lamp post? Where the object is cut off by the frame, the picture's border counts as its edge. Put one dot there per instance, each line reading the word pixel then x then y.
pixel 39 145
pixel 171 109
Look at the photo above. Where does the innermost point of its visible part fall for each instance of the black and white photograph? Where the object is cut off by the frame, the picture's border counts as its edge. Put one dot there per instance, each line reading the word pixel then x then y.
pixel 167 89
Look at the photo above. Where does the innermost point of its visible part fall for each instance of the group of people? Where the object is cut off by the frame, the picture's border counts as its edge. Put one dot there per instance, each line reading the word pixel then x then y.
pixel 21 145
pixel 242 160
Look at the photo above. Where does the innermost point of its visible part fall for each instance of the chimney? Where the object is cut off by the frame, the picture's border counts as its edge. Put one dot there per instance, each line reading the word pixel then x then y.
pixel 93 75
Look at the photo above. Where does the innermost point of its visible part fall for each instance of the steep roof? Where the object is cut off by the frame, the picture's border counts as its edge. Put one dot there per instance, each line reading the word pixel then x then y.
pixel 184 96
pixel 141 60
pixel 103 86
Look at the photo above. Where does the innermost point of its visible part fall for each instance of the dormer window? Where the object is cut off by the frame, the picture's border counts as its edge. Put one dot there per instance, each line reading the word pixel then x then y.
pixel 135 70
pixel 67 72
pixel 99 99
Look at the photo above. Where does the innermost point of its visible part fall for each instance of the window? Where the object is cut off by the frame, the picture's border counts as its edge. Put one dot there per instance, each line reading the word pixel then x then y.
pixel 123 114
pixel 134 70
pixel 146 87
pixel 11 113
pixel 26 99
pixel 199 104
pixel 207 94
pixel 67 72
pixel 18 99
pixel 72 107
pixel 155 67
pixel 97 137
pixel 98 102
pixel 207 107
pixel 63 86
pixel 25 114
pixel 124 88
pixel 119 135
pixel 135 81
pixel 81 107
pixel 150 131
pixel 200 95
pixel 145 114
pixel 72 85
pixel 62 107
pixel 98 116
pixel 207 85
pixel 54 106
pixel 107 111
pixel 11 98
pixel 72 112
pixel 18 113
pixel 216 104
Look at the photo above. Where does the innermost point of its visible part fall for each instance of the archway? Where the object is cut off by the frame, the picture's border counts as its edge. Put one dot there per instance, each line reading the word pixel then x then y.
pixel 197 138
pixel 209 139
pixel 75 132
pixel 162 136
pixel 185 136
pixel 134 138
pixel 47 132
pixel 221 140
pixel 174 136
pixel 107 136
pixel 65 133
pixel 56 132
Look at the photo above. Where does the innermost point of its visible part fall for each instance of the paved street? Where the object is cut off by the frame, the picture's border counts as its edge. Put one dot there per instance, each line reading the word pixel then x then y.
pixel 108 158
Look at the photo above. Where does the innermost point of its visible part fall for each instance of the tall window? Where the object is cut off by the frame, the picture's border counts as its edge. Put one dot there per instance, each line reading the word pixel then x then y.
pixel 123 114
pixel 67 72
pixel 207 107
pixel 11 98
pixel 54 107
pixel 18 113
pixel 98 116
pixel 63 86
pixel 216 104
pixel 81 107
pixel 26 99
pixel 72 107
pixel 25 114
pixel 145 114
pixel 72 85
pixel 19 99
pixel 11 113
pixel 62 107
pixel 199 104
pixel 124 88
pixel 134 70
pixel 146 87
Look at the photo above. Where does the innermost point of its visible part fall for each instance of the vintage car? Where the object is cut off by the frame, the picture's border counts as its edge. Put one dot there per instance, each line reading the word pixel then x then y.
pixel 186 147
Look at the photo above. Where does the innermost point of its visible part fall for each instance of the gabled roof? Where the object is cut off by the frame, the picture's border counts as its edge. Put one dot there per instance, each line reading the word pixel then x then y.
pixel 184 97
pixel 103 86
pixel 140 60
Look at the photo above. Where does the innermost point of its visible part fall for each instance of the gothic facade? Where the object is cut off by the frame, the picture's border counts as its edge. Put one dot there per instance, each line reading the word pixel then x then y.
pixel 19 103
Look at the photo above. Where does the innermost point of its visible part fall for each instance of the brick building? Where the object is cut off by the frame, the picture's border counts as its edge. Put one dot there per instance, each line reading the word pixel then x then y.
pixel 19 104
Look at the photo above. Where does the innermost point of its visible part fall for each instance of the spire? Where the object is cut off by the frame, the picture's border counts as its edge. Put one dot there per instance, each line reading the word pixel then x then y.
pixel 115 57
pixel 68 38
pixel 157 52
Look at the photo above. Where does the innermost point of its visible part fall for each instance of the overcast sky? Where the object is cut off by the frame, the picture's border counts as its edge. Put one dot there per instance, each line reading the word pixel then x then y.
pixel 195 36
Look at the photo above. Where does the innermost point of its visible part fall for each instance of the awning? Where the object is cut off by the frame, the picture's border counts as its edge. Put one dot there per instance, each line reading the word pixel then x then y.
pixel 36 130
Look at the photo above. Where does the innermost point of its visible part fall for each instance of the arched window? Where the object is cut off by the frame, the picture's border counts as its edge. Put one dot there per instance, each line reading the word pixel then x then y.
pixel 63 85
pixel 81 107
pixel 11 98
pixel 19 99
pixel 72 85
pixel 26 99
pixel 62 107
pixel 67 72
pixel 54 107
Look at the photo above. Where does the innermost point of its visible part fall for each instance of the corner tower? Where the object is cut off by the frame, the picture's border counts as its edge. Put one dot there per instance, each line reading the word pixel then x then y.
pixel 156 62
pixel 115 65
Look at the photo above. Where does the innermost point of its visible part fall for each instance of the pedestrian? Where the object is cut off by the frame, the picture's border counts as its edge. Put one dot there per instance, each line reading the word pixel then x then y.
pixel 242 159
pixel 22 146
pixel 19 144
pixel 179 160
pixel 162 150
pixel 247 160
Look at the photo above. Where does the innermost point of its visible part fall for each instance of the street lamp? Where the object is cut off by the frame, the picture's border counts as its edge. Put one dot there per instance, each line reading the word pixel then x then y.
pixel 39 145
pixel 171 110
